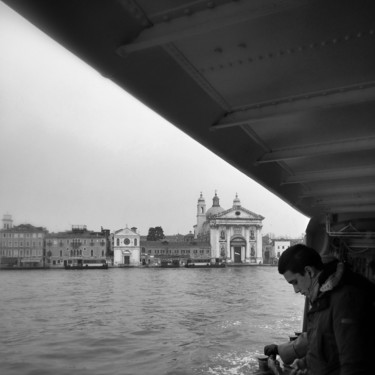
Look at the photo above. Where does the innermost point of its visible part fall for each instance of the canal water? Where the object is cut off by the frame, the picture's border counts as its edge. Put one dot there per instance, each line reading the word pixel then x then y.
pixel 143 321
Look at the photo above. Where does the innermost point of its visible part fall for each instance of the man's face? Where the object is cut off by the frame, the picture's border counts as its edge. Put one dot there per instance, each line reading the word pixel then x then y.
pixel 300 283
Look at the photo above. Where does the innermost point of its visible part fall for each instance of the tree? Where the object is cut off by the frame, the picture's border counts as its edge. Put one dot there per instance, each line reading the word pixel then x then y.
pixel 155 234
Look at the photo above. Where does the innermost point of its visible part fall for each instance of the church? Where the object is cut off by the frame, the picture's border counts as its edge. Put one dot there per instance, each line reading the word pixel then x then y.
pixel 234 234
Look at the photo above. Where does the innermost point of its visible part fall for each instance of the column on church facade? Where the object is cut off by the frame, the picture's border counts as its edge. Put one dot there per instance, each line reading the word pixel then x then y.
pixel 247 236
pixel 259 255
pixel 229 235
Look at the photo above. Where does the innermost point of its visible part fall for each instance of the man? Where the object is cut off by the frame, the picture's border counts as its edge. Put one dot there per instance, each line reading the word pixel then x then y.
pixel 340 319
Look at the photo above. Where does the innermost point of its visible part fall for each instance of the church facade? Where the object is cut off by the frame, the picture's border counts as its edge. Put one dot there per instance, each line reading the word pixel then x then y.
pixel 126 247
pixel 234 234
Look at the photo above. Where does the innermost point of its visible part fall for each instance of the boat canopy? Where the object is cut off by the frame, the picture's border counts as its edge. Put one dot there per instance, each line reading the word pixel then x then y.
pixel 282 90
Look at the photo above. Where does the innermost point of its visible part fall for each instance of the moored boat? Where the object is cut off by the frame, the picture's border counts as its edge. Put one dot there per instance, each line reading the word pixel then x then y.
pixel 205 263
pixel 170 263
pixel 85 264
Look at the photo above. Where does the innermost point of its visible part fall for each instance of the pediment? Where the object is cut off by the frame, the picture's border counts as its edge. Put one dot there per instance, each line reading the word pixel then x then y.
pixel 239 213
pixel 125 232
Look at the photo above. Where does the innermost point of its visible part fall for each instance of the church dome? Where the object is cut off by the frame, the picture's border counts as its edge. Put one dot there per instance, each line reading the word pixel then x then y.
pixel 215 209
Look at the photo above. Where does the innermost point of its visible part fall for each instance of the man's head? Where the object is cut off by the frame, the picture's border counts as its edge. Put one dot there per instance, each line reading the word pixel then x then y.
pixel 300 265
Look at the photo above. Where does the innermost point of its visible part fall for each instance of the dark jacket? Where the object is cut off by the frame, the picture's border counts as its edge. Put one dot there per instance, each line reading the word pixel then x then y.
pixel 340 325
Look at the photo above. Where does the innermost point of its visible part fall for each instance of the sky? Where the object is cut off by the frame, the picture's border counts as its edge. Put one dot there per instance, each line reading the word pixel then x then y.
pixel 75 149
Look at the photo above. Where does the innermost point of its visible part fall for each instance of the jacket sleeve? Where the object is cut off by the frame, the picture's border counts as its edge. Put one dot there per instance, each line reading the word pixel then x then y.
pixel 349 319
pixel 292 350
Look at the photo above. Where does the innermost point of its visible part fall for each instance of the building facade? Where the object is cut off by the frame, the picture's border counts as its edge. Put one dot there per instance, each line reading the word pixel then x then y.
pixel 79 243
pixel 22 245
pixel 279 246
pixel 126 247
pixel 154 253
pixel 234 234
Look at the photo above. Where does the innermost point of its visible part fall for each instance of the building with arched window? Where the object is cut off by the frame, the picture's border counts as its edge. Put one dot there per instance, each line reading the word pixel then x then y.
pixel 21 246
pixel 234 234
pixel 126 247
pixel 63 248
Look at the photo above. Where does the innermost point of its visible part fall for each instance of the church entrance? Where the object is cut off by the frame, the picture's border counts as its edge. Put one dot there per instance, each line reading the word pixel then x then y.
pixel 238 246
pixel 237 254
pixel 126 259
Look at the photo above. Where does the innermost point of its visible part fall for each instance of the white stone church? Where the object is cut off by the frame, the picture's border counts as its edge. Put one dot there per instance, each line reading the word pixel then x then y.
pixel 234 234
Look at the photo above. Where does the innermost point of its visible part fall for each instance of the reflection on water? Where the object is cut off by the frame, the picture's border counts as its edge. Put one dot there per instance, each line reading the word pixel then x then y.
pixel 143 321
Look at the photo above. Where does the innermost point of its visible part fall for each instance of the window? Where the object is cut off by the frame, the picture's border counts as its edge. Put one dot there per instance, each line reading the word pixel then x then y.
pixel 92 253
pixel 60 253
pixel 118 242
pixel 149 252
pixel 135 242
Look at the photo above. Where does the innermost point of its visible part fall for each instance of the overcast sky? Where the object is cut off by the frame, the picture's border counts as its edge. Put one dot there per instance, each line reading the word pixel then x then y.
pixel 75 149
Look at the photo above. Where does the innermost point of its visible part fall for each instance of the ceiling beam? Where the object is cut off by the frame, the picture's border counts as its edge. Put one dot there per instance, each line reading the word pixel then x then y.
pixel 339 190
pixel 234 12
pixel 325 99
pixel 318 149
pixel 330 174
pixel 360 199
pixel 351 208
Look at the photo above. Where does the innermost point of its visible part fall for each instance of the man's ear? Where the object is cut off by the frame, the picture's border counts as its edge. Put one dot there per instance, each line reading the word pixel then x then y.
pixel 309 271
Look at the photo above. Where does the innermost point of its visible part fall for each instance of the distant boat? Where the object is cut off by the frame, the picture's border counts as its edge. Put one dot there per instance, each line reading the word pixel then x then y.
pixel 85 264
pixel 168 263
pixel 205 263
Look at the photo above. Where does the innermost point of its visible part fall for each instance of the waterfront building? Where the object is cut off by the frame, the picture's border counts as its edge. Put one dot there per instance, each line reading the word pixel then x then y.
pixel 156 252
pixel 268 250
pixel 234 234
pixel 126 247
pixel 79 243
pixel 21 245
pixel 280 245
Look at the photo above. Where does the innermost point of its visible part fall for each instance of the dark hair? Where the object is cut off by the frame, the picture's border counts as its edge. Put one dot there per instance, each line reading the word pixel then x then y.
pixel 297 257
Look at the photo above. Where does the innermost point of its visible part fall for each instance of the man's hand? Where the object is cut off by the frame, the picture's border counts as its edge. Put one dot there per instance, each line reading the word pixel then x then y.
pixel 299 367
pixel 271 350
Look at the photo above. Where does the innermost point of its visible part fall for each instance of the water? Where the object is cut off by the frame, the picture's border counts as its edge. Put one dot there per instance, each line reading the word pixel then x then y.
pixel 143 321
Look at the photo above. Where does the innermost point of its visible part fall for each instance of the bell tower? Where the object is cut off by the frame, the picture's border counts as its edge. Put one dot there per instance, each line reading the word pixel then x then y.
pixel 201 215
pixel 7 221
